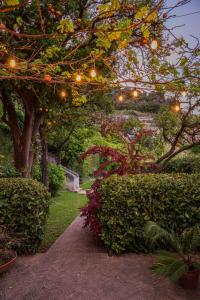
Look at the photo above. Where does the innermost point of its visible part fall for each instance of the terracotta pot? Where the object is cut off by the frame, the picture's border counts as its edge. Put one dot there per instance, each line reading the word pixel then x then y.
pixel 190 280
pixel 6 266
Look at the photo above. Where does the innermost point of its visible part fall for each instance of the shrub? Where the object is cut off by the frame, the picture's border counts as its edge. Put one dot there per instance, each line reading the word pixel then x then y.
pixel 8 170
pixel 186 164
pixel 24 207
pixel 127 202
pixel 196 150
pixel 56 177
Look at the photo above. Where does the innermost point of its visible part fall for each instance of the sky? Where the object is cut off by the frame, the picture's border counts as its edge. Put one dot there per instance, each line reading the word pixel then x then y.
pixel 191 22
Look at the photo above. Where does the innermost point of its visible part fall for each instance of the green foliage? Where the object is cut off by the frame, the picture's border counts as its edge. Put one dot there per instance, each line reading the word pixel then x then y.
pixel 168 120
pixel 56 177
pixel 65 26
pixel 24 207
pixel 128 202
pixel 6 147
pixel 63 210
pixel 186 242
pixel 174 265
pixel 169 265
pixel 8 170
pixel 12 2
pixel 196 150
pixel 186 164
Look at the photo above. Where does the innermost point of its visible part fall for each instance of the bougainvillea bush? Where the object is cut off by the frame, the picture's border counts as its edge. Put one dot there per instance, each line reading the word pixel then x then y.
pixel 121 205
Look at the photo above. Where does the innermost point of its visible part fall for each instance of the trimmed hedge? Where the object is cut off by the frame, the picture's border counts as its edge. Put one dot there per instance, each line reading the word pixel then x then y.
pixel 127 202
pixel 24 205
pixel 186 164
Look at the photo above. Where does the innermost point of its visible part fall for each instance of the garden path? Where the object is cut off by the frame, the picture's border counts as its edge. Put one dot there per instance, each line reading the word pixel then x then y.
pixel 77 268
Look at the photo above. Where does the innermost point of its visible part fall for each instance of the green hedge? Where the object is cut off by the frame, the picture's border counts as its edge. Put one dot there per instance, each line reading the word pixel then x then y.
pixel 186 164
pixel 56 177
pixel 127 202
pixel 24 207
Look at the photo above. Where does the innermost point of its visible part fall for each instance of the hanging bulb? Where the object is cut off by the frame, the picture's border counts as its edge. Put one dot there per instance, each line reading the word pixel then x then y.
pixel 135 93
pixel 93 73
pixel 154 44
pixel 2 27
pixel 12 63
pixel 176 106
pixel 63 94
pixel 78 78
pixel 121 98
pixel 47 77
pixel 184 93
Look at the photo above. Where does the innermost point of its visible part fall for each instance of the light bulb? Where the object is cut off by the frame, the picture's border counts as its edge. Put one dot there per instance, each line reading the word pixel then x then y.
pixel 12 63
pixel 2 27
pixel 135 93
pixel 78 78
pixel 47 77
pixel 120 98
pixel 63 94
pixel 154 44
pixel 176 108
pixel 93 73
pixel 184 93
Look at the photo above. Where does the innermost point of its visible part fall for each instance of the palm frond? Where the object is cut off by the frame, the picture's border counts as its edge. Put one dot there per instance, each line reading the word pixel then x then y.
pixel 172 268
pixel 157 235
pixel 173 265
pixel 166 254
pixel 195 240
pixel 177 270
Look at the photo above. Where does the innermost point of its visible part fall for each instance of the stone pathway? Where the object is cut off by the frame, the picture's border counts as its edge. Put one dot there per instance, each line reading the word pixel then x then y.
pixel 78 268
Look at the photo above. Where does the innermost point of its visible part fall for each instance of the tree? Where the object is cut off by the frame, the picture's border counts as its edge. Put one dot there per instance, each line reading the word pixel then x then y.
pixel 52 52
pixel 180 130
pixel 129 159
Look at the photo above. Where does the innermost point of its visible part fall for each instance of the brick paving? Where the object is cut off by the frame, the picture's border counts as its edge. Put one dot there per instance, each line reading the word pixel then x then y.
pixel 78 268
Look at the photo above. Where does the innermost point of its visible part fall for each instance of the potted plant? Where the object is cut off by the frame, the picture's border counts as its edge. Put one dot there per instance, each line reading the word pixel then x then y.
pixel 7 256
pixel 182 265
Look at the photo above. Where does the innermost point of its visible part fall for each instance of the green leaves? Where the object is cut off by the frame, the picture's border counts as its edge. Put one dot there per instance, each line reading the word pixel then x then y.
pixel 12 2
pixel 162 198
pixel 170 266
pixel 24 208
pixel 142 12
pixel 66 26
pixel 79 101
pixel 110 8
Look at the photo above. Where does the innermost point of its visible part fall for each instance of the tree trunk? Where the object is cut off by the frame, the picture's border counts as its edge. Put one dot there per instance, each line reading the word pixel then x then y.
pixel 23 139
pixel 44 160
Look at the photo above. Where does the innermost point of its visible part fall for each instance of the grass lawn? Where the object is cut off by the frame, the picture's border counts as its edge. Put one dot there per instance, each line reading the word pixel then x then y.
pixel 87 184
pixel 63 210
